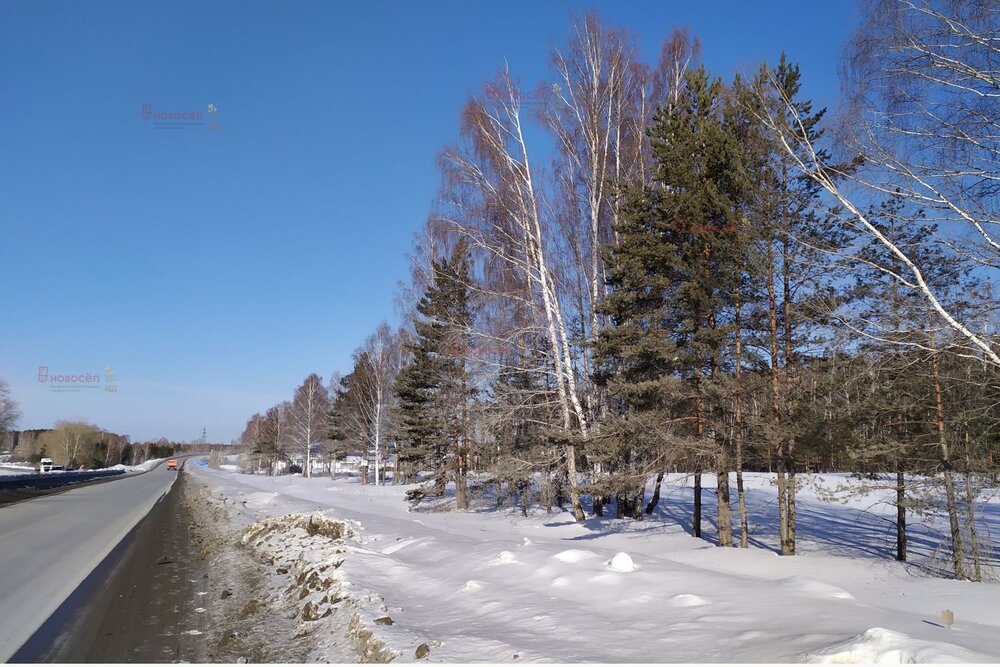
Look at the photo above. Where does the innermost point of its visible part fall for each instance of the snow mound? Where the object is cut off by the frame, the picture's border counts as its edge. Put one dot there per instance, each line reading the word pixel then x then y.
pixel 687 600
pixel 818 588
pixel 888 647
pixel 230 467
pixel 258 499
pixel 503 558
pixel 573 555
pixel 622 562
pixel 471 586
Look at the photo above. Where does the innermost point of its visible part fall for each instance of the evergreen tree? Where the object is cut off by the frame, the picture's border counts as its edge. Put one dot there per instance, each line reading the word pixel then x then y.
pixel 794 233
pixel 434 388
pixel 674 276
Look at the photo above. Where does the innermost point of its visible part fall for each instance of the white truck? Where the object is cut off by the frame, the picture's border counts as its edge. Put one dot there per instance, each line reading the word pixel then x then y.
pixel 45 465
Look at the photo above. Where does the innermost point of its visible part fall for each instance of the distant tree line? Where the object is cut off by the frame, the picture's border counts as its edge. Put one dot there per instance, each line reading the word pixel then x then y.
pixel 79 444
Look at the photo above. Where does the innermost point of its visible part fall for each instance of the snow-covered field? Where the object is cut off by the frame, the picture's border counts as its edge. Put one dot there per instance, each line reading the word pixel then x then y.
pixel 492 586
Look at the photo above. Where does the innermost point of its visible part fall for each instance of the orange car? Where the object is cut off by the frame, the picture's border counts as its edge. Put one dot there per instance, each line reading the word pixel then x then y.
pixel 172 464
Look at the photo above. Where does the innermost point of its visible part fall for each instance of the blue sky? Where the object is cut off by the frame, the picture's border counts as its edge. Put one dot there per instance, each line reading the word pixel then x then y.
pixel 212 270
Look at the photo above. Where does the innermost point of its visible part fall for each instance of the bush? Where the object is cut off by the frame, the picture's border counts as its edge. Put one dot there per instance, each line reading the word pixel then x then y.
pixel 215 459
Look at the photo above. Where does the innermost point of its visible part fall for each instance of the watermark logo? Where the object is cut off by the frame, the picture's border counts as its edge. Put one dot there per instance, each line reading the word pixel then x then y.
pixel 173 119
pixel 110 380
pixel 536 98
pixel 76 382
pixel 213 118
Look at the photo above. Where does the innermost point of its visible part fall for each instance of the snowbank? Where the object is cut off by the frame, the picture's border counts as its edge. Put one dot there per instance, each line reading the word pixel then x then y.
pixel 11 469
pixel 879 646
pixel 146 466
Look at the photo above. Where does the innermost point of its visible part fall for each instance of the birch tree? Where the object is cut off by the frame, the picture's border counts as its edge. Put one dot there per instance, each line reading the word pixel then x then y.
pixel 380 357
pixel 924 107
pixel 588 114
pixel 9 412
pixel 274 434
pixel 73 441
pixel 308 418
pixel 253 442
pixel 498 208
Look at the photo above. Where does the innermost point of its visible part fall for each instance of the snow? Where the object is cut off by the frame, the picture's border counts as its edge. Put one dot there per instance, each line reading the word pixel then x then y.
pixel 10 469
pixel 492 586
pixel 145 466
pixel 884 647
pixel 622 562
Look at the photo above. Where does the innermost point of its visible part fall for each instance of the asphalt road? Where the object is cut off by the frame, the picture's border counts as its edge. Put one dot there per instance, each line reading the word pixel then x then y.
pixel 49 546
pixel 142 604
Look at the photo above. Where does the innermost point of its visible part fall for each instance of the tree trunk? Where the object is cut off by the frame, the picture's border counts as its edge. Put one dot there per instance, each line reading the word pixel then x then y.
pixel 776 407
pixel 696 519
pixel 655 500
pixel 790 495
pixel 723 510
pixel 556 329
pixel 957 546
pixel 738 425
pixel 970 511
pixel 782 506
pixel 786 273
pixel 900 513
pixel 461 489
pixel 744 522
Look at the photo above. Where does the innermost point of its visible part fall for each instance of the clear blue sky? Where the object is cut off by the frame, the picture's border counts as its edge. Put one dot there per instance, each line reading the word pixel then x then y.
pixel 214 269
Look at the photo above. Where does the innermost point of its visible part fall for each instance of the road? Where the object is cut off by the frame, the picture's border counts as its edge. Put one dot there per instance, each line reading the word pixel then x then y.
pixel 50 544
pixel 142 604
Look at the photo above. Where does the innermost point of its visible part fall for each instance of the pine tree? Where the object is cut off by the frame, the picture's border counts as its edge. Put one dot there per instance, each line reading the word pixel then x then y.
pixel 794 231
pixel 674 276
pixel 434 388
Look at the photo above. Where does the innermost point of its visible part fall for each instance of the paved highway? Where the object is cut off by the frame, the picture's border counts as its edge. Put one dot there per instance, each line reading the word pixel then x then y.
pixel 50 544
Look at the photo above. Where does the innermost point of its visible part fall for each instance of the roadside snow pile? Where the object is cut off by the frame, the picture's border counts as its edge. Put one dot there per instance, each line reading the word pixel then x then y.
pixel 879 646
pixel 142 467
pixel 12 469
pixel 308 549
pixel 145 466
pixel 295 528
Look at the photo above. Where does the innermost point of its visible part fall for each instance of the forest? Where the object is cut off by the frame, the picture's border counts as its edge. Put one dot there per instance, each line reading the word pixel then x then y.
pixel 640 268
